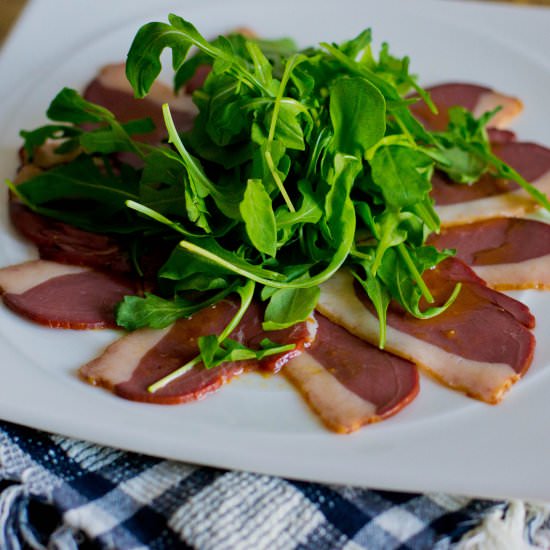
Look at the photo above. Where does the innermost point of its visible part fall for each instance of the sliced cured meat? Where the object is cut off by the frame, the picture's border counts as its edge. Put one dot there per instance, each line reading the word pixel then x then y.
pixel 497 135
pixel 112 90
pixel 507 253
pixel 475 98
pixel 492 197
pixel 481 345
pixel 130 365
pixel 63 296
pixel 137 360
pixel 61 242
pixel 349 382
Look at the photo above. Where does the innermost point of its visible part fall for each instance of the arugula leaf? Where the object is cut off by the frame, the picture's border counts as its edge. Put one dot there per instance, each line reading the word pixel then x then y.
pixel 79 179
pixel 358 114
pixel 69 106
pixel 258 216
pixel 288 306
pixel 37 137
pixel 151 311
pixel 214 353
pixel 143 63
pixel 403 175
pixel 115 139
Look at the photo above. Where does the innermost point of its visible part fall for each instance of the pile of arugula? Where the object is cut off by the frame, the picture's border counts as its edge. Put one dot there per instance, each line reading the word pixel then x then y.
pixel 299 162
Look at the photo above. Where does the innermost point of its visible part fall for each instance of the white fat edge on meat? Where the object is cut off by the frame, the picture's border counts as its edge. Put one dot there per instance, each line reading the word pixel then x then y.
pixel 511 107
pixel 119 360
pixel 512 204
pixel 19 278
pixel 533 273
pixel 312 326
pixel 46 155
pixel 114 77
pixel 482 380
pixel 339 408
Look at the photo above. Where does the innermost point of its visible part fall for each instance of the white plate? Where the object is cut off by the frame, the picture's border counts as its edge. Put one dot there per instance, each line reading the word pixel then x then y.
pixel 443 441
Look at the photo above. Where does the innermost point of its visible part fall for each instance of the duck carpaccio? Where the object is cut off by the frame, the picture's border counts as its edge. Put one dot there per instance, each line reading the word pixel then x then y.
pixel 349 382
pixel 63 296
pixel 137 360
pixel 345 380
pixel 481 345
pixel 475 98
pixel 507 253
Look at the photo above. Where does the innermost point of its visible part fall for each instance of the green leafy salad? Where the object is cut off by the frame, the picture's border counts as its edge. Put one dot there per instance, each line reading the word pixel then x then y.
pixel 299 162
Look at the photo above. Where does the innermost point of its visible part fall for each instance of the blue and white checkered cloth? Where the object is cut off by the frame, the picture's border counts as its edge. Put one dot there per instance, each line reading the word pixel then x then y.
pixel 63 493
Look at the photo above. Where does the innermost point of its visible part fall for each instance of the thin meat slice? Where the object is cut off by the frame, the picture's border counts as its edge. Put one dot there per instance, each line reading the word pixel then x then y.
pixel 507 253
pixel 492 197
pixel 137 360
pixel 130 365
pixel 63 296
pixel 61 242
pixel 112 90
pixel 348 382
pixel 481 345
pixel 475 98
pixel 497 135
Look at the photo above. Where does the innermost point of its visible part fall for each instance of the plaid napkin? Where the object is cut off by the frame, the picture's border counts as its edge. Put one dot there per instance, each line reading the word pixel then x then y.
pixel 62 493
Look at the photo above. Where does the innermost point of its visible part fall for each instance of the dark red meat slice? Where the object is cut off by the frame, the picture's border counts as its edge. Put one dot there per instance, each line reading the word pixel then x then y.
pixel 500 136
pixel 532 161
pixel 492 197
pixel 478 99
pixel 112 90
pixel 507 253
pixel 137 360
pixel 481 345
pixel 61 242
pixel 62 296
pixel 349 382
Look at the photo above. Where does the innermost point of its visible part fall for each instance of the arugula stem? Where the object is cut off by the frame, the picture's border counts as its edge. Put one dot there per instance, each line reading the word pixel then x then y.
pixel 507 171
pixel 246 293
pixel 380 308
pixel 337 260
pixel 13 188
pixel 272 127
pixel 142 209
pixel 427 213
pixel 404 129
pixel 280 185
pixel 335 264
pixel 404 253
pixel 174 375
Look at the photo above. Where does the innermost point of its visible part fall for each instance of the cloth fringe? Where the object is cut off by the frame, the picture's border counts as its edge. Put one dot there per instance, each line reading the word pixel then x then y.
pixel 520 525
